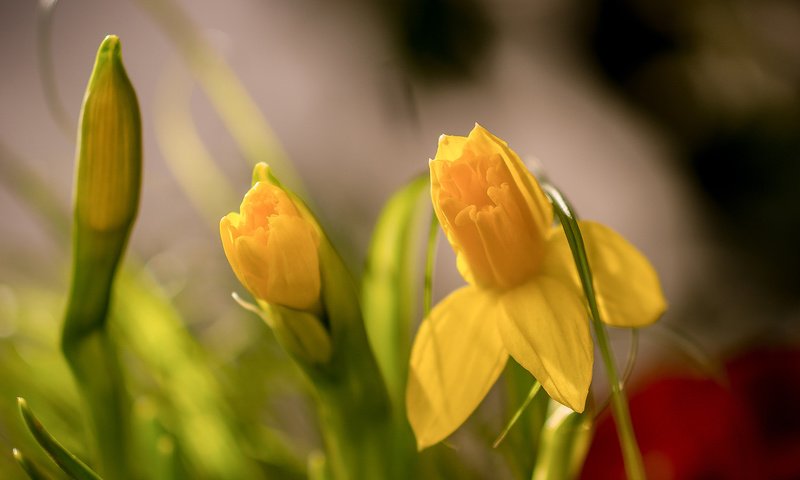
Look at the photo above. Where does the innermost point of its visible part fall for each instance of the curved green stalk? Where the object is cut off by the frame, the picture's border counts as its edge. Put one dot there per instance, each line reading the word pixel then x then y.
pixel 236 108
pixel 47 74
pixel 204 183
pixel 632 457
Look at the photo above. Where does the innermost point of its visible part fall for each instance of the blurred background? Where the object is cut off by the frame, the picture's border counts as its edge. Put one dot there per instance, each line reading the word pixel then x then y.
pixel 675 123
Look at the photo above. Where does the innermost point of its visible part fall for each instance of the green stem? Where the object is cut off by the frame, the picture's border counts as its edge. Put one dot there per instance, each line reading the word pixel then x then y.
pixel 358 435
pixel 632 457
pixel 634 467
pixel 96 368
pixel 363 439
pixel 91 352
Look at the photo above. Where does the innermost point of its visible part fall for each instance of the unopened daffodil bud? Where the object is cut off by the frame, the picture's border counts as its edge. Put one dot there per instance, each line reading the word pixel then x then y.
pixel 109 154
pixel 107 184
pixel 106 199
pixel 273 248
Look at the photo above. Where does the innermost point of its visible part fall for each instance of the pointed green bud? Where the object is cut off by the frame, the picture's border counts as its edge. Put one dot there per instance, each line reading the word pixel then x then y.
pixel 109 155
pixel 106 193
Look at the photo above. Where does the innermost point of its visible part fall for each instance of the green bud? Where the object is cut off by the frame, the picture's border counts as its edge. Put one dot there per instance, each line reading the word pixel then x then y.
pixel 109 154
pixel 107 183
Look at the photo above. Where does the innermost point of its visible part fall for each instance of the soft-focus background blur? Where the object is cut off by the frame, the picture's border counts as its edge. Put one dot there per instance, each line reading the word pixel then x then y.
pixel 676 123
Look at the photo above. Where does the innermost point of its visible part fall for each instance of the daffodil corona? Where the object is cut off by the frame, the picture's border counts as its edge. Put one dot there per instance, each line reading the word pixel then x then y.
pixel 523 296
pixel 273 249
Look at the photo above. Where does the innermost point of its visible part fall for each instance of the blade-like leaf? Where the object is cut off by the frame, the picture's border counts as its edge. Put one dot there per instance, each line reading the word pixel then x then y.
pixel 68 462
pixel 30 468
pixel 389 292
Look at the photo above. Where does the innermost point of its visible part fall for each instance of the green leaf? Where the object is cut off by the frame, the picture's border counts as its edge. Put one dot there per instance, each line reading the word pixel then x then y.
pixel 30 468
pixel 68 462
pixel 151 327
pixel 389 290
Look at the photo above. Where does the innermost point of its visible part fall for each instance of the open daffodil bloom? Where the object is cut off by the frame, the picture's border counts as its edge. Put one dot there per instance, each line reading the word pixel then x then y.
pixel 523 296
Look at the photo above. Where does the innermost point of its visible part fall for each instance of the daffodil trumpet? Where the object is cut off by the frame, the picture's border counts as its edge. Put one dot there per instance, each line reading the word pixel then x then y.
pixel 523 296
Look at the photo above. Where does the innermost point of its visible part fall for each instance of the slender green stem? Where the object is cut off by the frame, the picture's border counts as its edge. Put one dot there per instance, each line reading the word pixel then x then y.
pixel 632 457
pixel 90 351
pixel 634 467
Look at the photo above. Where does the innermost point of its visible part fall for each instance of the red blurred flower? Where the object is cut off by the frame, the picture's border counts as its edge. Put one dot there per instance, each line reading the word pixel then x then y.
pixel 690 428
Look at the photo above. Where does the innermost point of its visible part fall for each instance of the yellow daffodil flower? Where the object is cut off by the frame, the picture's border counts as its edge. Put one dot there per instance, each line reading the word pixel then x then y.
pixel 523 296
pixel 273 248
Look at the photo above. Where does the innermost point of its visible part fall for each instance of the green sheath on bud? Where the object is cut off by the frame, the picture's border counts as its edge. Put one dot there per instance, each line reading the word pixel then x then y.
pixel 106 198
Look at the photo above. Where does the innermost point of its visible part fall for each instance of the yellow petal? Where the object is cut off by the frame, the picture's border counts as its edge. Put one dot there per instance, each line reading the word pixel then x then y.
pixel 227 232
pixel 545 328
pixel 294 277
pixel 626 285
pixel 456 358
pixel 450 147
pixel 253 263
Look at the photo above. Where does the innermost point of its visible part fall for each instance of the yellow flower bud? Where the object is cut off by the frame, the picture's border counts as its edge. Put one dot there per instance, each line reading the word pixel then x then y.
pixel 493 211
pixel 273 249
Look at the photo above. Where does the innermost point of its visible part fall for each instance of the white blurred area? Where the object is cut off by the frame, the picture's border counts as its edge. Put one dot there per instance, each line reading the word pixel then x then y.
pixel 353 122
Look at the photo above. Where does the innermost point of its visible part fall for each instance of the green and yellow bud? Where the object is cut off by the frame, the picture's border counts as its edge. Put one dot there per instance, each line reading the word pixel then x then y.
pixel 109 154
pixel 107 184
